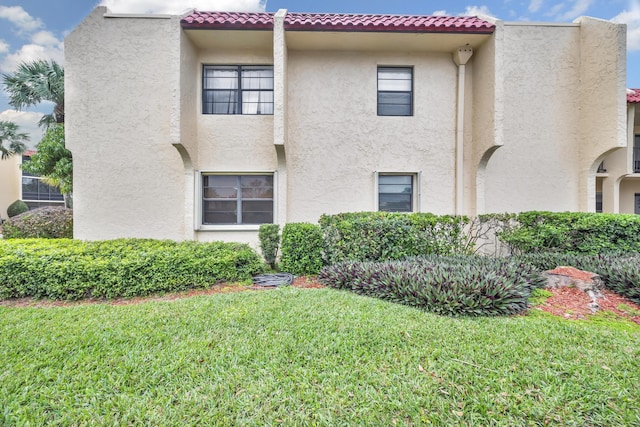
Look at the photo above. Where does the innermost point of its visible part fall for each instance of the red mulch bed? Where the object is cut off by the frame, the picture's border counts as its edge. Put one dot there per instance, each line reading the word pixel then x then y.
pixel 572 303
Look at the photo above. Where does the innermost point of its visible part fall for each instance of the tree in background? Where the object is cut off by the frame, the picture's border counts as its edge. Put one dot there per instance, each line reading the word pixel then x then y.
pixel 53 161
pixel 32 83
pixel 11 141
pixel 35 82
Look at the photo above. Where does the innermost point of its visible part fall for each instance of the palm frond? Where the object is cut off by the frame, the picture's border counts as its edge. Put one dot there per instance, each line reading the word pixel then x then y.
pixel 11 141
pixel 34 82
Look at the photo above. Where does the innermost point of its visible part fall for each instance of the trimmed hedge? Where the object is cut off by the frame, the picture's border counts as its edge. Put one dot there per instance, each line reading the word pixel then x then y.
pixel 16 208
pixel 381 236
pixel 301 249
pixel 72 269
pixel 463 285
pixel 47 223
pixel 570 232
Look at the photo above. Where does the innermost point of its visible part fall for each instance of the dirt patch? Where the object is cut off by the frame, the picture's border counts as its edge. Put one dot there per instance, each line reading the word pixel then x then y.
pixel 299 282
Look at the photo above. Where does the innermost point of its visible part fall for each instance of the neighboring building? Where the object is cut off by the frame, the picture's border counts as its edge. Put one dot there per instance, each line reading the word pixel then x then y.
pixel 618 177
pixel 34 192
pixel 19 185
pixel 204 126
pixel 9 183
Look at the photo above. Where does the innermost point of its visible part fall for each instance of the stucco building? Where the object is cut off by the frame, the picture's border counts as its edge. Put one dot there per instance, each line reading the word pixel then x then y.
pixel 9 183
pixel 205 125
pixel 16 184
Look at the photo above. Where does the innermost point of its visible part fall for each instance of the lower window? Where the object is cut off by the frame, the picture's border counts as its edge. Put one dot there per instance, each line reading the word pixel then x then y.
pixel 395 193
pixel 237 199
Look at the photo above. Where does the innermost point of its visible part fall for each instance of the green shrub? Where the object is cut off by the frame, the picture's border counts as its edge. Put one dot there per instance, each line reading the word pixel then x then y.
pixel 380 236
pixel 16 208
pixel 301 249
pixel 463 285
pixel 269 242
pixel 48 223
pixel 572 232
pixel 72 269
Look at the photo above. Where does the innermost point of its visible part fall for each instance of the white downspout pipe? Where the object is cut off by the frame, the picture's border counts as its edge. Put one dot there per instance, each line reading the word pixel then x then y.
pixel 460 57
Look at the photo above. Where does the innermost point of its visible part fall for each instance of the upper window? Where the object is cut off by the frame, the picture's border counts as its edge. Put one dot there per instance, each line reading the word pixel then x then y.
pixel 237 199
pixel 395 193
pixel 395 91
pixel 237 89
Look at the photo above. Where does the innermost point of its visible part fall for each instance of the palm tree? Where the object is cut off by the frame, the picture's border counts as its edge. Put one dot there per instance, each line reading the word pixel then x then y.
pixel 34 82
pixel 14 140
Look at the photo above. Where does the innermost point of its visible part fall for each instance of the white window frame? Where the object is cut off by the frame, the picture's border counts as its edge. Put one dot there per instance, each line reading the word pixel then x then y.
pixel 239 91
pixel 381 90
pixel 198 191
pixel 416 183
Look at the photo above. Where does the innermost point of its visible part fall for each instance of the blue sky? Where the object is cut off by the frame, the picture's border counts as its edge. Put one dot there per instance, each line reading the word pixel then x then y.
pixel 32 29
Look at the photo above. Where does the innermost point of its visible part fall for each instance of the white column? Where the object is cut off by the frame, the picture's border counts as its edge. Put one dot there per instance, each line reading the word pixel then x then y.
pixel 460 57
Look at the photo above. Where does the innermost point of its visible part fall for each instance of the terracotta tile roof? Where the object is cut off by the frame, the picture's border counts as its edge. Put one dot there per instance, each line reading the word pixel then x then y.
pixel 229 20
pixel 339 22
pixel 383 23
pixel 633 96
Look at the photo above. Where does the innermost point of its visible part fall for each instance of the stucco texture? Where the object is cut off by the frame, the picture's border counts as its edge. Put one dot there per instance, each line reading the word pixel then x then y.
pixel 336 141
pixel 128 178
pixel 540 107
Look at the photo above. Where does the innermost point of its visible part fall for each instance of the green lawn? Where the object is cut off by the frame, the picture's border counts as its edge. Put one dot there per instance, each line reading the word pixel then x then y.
pixel 310 357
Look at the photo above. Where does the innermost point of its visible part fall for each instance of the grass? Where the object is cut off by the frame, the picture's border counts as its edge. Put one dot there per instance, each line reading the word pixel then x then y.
pixel 309 357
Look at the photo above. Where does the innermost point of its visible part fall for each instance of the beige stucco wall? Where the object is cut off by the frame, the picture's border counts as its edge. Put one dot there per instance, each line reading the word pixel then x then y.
pixel 128 178
pixel 541 106
pixel 233 143
pixel 603 101
pixel 336 141
pixel 10 182
pixel 487 116
pixel 628 188
pixel 553 128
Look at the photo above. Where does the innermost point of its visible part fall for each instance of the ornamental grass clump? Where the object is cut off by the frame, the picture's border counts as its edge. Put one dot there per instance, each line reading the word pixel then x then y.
pixel 464 285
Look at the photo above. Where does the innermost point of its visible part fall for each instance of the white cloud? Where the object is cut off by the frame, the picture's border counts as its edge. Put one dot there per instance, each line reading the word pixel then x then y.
pixel 4 47
pixel 45 38
pixel 579 8
pixel 632 19
pixel 180 6
pixel 535 5
pixel 31 52
pixel 469 11
pixel 477 10
pixel 27 122
pixel 20 18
